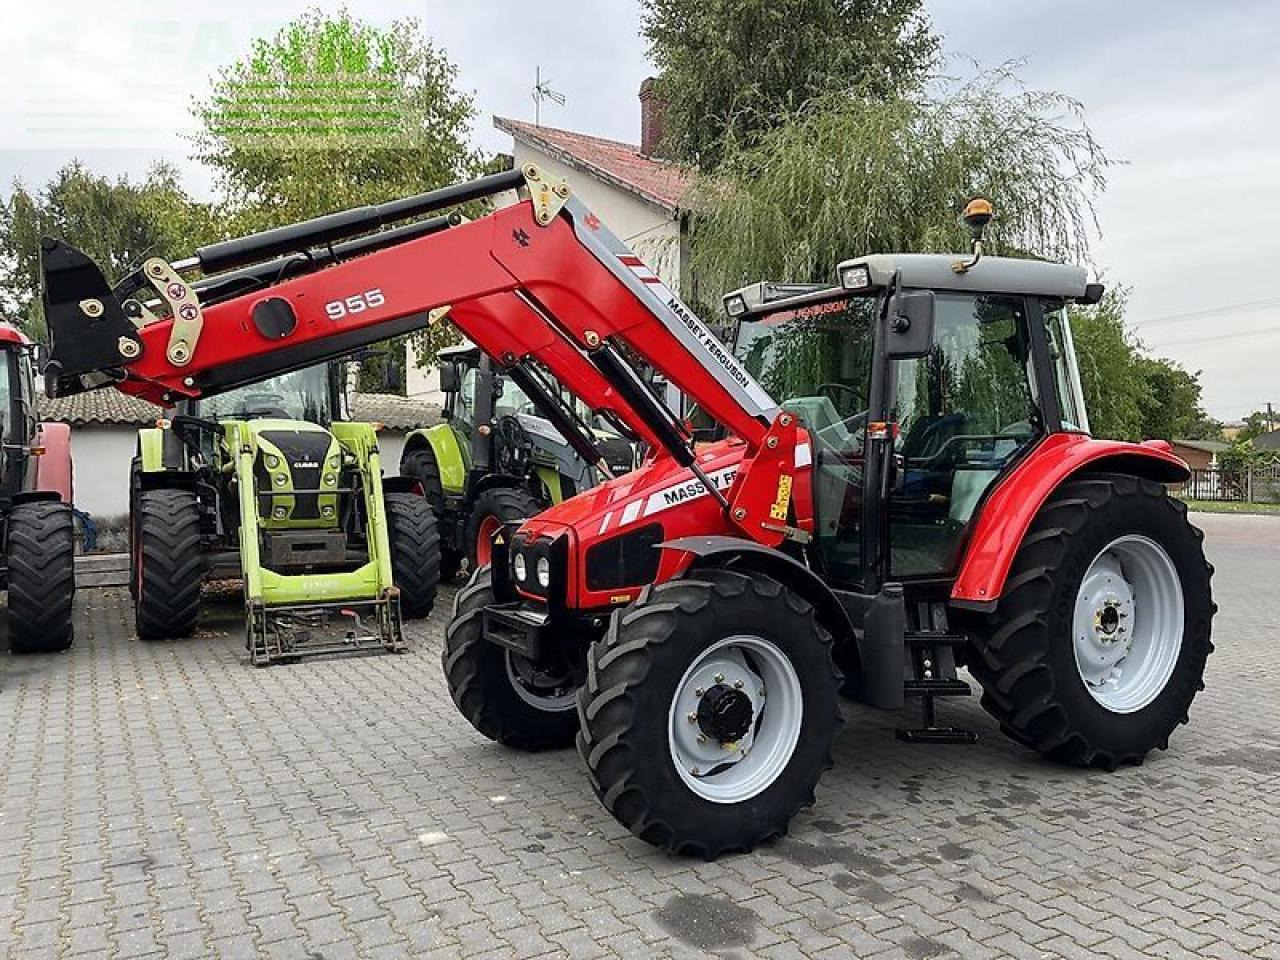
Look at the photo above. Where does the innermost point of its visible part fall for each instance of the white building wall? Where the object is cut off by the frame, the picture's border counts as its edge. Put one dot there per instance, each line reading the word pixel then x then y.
pixel 100 458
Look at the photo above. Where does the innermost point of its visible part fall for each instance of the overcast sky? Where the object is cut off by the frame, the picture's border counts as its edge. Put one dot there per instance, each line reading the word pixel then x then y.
pixel 1187 93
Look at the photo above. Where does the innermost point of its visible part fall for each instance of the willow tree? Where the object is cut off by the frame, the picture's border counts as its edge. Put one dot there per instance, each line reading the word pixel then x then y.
pixel 850 175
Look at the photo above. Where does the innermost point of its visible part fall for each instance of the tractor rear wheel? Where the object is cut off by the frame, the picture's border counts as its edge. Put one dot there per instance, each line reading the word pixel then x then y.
pixel 169 562
pixel 709 712
pixel 421 464
pixel 494 508
pixel 1099 643
pixel 415 552
pixel 41 552
pixel 507 698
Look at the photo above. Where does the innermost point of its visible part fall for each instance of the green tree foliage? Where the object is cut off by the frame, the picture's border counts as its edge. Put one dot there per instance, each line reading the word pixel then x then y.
pixel 1256 424
pixel 116 222
pixel 332 113
pixel 732 68
pixel 1130 395
pixel 851 175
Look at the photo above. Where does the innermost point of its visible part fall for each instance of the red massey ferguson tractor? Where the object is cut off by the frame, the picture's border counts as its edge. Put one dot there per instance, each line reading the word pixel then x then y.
pixel 904 486
pixel 35 509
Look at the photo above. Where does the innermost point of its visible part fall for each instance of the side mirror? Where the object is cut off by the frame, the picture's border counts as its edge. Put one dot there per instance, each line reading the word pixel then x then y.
pixel 910 327
pixel 450 382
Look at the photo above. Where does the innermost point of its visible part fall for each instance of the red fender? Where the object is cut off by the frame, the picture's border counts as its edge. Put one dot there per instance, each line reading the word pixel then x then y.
pixel 1007 512
pixel 53 467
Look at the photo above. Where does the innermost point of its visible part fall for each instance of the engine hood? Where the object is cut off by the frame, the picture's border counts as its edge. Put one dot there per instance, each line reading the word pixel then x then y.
pixel 643 494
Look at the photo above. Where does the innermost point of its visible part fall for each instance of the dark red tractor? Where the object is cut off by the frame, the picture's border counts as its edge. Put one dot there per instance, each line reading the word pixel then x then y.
pixel 35 508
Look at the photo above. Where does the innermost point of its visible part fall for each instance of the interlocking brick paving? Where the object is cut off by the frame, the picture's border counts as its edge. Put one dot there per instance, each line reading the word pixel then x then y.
pixel 169 800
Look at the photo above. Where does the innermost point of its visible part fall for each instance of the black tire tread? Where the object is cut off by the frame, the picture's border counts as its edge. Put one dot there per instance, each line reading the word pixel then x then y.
pixel 173 564
pixel 415 552
pixel 505 503
pixel 42 577
pixel 421 464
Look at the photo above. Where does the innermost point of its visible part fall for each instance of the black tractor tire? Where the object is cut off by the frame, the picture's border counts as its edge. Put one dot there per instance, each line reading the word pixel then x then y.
pixel 480 681
pixel 497 505
pixel 170 563
pixel 415 552
pixel 637 668
pixel 421 464
pixel 1024 654
pixel 135 472
pixel 42 576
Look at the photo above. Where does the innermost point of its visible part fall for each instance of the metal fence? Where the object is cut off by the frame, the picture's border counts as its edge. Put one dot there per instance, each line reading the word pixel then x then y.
pixel 1257 485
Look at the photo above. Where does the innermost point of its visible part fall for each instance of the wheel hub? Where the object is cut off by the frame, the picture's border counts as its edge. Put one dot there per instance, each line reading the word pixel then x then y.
pixel 725 714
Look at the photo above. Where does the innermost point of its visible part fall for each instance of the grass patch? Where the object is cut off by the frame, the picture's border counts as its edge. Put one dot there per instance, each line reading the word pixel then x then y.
pixel 1224 506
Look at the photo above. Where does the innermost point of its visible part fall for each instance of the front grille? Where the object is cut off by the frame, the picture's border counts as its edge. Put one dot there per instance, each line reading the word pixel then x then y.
pixel 305 452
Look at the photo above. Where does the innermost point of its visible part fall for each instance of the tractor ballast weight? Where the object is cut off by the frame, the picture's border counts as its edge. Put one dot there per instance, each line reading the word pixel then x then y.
pixel 689 623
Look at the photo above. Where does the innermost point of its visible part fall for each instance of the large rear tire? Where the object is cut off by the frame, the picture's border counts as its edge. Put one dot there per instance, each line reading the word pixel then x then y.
pixel 421 464
pixel 415 552
pixel 493 508
pixel 42 577
pixel 709 712
pixel 169 562
pixel 1099 643
pixel 507 700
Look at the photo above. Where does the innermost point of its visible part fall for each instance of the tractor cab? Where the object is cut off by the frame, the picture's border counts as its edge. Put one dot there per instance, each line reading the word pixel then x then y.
pixel 18 423
pixel 976 374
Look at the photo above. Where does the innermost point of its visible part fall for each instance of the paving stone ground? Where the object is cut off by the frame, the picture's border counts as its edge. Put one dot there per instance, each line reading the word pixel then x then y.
pixel 168 800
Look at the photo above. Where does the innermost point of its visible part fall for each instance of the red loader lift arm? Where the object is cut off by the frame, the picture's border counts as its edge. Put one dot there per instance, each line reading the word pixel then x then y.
pixel 542 279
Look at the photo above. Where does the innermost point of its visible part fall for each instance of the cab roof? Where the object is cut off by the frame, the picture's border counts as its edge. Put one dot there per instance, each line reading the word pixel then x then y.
pixel 11 334
pixel 935 271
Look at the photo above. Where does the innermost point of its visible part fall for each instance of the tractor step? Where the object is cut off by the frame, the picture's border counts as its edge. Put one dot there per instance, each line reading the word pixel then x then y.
pixel 937 688
pixel 925 640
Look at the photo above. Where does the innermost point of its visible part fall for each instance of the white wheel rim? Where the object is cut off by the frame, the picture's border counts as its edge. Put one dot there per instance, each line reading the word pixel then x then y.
pixel 549 699
pixel 732 771
pixel 1127 624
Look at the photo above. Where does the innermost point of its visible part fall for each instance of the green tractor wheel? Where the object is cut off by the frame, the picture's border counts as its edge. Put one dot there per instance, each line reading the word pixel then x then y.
pixel 494 508
pixel 421 464
pixel 169 562
pixel 415 552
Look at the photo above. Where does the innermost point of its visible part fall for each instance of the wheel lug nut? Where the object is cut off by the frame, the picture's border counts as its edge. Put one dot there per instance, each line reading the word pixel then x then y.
pixel 692 717
pixel 737 685
pixel 719 678
pixel 699 692
pixel 695 771
pixel 702 738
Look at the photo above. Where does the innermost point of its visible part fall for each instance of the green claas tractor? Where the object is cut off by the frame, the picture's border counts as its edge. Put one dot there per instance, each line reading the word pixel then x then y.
pixel 265 483
pixel 496 458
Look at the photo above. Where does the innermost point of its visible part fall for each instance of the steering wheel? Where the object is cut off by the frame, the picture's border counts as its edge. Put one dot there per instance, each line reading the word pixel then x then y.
pixel 512 447
pixel 831 390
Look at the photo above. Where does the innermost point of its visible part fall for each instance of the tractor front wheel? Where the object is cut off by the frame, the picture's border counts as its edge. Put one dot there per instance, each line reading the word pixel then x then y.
pixel 41 552
pixel 507 698
pixel 1099 643
pixel 169 563
pixel 709 712
pixel 415 552
pixel 494 508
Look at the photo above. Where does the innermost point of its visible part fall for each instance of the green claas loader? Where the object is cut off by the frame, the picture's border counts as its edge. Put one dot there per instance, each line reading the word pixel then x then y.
pixel 266 483
pixel 497 458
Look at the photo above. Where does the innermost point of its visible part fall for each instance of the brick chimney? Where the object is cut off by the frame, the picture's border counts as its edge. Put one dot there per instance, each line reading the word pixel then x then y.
pixel 652 117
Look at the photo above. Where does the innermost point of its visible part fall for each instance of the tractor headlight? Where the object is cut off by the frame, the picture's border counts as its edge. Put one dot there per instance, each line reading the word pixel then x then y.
pixel 281 479
pixel 334 462
pixel 272 461
pixel 330 479
pixel 327 511
pixel 857 277
pixel 279 513
pixel 544 572
pixel 735 304
pixel 520 568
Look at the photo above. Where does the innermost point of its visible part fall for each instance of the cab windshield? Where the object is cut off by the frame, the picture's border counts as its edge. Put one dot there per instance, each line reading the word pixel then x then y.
pixel 300 395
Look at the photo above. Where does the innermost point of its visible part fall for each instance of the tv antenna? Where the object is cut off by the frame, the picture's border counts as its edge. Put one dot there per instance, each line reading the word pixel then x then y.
pixel 542 91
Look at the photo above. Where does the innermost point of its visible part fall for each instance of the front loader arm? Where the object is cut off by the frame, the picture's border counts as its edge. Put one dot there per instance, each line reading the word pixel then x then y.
pixel 531 280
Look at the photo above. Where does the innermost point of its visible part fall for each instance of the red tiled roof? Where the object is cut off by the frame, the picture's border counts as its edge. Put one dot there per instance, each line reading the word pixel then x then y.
pixel 620 164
